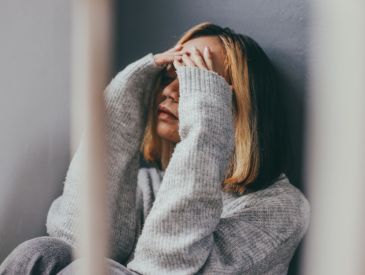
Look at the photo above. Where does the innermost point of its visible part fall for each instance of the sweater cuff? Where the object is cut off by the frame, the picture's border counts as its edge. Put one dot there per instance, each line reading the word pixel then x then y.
pixel 195 79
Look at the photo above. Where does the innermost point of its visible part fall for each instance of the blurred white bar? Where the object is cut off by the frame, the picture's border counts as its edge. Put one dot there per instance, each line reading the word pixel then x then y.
pixel 90 60
pixel 335 160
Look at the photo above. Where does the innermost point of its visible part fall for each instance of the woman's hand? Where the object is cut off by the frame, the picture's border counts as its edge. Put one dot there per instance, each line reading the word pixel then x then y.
pixel 167 57
pixel 195 59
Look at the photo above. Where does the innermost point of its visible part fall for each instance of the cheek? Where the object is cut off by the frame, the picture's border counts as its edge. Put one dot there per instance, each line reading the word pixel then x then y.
pixel 167 129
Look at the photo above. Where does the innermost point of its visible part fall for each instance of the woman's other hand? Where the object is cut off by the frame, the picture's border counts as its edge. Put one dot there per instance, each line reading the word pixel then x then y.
pixel 167 57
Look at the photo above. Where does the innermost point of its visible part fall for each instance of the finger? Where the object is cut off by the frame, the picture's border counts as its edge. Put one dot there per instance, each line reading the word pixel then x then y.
pixel 181 51
pixel 198 59
pixel 177 62
pixel 175 51
pixel 178 47
pixel 208 58
pixel 187 60
pixel 168 58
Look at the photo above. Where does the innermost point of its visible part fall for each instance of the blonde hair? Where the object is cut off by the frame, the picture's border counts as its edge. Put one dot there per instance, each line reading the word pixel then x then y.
pixel 244 167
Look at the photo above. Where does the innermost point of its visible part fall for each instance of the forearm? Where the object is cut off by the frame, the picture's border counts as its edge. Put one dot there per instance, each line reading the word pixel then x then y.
pixel 126 99
pixel 177 234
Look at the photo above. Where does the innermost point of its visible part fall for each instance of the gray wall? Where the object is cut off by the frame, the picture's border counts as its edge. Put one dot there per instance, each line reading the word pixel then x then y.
pixel 280 27
pixel 34 114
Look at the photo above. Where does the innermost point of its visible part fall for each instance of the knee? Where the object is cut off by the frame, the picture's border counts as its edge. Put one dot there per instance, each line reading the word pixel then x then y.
pixel 46 253
pixel 44 246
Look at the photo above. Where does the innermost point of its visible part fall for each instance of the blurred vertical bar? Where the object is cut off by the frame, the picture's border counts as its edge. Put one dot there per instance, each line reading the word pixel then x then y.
pixel 90 69
pixel 335 160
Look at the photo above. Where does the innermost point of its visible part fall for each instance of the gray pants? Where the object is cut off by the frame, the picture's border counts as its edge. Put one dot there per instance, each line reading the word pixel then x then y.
pixel 46 256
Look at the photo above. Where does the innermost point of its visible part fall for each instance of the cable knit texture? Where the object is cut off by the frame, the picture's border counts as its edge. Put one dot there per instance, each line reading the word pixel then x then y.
pixel 179 221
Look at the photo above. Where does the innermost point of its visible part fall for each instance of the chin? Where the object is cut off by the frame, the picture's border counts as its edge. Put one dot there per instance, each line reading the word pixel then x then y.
pixel 168 131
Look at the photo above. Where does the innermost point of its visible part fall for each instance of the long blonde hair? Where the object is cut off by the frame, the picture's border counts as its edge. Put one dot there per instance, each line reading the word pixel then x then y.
pixel 256 160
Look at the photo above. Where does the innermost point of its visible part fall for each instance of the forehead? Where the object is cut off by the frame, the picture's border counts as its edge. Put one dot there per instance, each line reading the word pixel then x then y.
pixel 212 41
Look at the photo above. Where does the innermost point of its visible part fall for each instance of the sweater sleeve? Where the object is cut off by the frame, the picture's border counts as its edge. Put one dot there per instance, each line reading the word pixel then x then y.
pixel 178 234
pixel 126 99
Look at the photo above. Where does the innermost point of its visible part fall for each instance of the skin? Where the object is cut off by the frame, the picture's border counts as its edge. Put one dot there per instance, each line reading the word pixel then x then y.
pixel 191 53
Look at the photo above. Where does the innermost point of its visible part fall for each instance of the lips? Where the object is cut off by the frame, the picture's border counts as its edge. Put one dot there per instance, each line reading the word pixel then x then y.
pixel 162 108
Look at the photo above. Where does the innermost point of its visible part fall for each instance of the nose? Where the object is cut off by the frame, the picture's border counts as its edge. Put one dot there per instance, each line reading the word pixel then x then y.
pixel 171 94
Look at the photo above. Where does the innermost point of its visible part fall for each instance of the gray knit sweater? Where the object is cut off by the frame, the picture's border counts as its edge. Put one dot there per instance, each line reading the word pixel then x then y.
pixel 179 221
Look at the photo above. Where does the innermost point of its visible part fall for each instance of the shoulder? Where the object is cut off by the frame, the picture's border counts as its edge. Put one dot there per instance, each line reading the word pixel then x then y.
pixel 283 194
pixel 281 209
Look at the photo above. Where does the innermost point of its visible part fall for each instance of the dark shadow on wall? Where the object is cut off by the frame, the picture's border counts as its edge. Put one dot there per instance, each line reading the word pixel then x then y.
pixel 295 107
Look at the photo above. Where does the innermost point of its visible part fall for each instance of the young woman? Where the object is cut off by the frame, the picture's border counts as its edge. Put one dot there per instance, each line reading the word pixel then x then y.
pixel 215 199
